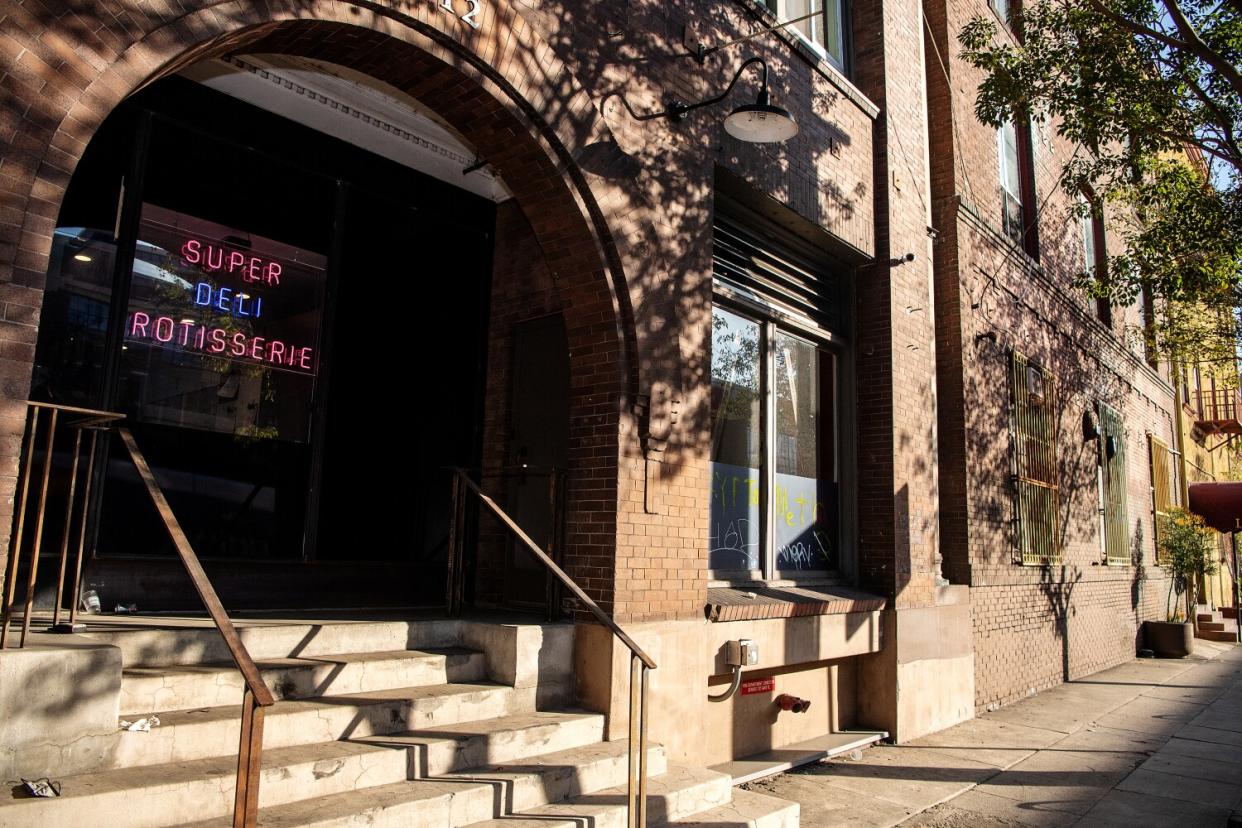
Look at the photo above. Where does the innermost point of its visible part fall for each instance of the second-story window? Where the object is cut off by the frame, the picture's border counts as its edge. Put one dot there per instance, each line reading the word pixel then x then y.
pixel 1017 184
pixel 1094 256
pixel 823 28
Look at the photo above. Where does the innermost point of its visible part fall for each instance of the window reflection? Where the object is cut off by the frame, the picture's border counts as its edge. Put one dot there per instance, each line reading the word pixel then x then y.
pixel 735 530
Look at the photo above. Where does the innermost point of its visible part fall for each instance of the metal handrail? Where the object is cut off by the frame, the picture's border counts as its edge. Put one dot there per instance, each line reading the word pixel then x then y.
pixel 256 695
pixel 640 661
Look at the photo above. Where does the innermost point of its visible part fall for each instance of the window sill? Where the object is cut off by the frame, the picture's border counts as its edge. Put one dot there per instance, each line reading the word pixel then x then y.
pixel 771 601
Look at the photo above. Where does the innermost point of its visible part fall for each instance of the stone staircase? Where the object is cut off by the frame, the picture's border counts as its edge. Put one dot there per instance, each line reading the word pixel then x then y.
pixel 1214 625
pixel 439 723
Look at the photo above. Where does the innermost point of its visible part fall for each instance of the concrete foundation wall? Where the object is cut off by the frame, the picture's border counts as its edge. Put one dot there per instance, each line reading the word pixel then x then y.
pixel 924 678
pixel 811 657
pixel 58 709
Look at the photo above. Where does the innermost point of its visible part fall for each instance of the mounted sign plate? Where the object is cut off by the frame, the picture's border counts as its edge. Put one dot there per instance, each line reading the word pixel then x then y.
pixel 763 685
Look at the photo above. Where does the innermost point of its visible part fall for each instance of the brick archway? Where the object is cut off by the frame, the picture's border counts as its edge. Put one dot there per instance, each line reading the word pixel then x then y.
pixel 500 86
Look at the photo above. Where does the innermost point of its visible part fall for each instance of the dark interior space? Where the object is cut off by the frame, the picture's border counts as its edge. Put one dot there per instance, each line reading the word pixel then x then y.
pixel 309 470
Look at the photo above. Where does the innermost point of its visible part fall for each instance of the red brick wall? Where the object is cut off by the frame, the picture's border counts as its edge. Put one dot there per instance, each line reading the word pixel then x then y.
pixel 620 208
pixel 898 497
pixel 1033 626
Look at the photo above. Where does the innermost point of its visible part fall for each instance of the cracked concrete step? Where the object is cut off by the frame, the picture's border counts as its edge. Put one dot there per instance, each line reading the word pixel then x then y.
pixel 462 799
pixel 213 731
pixel 746 810
pixel 447 748
pixel 177 643
pixel 672 794
pixel 164 795
pixel 145 690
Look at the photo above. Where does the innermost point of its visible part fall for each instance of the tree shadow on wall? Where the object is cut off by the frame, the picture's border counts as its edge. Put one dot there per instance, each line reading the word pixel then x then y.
pixel 1058 593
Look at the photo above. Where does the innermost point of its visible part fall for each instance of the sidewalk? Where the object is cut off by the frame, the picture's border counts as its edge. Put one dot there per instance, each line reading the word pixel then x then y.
pixel 1148 743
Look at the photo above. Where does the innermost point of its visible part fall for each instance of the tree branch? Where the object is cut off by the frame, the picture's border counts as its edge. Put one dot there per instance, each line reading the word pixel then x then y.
pixel 1196 46
pixel 1222 121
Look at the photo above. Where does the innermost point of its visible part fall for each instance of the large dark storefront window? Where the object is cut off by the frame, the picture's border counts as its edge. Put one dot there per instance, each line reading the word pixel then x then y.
pixel 293 328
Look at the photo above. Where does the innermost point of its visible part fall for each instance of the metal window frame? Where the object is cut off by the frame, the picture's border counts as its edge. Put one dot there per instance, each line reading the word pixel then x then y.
pixel 770 325
pixel 1157 451
pixel 1036 497
pixel 1116 553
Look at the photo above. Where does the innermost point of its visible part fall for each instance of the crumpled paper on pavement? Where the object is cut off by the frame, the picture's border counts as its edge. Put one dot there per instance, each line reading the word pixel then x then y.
pixel 144 725
pixel 42 787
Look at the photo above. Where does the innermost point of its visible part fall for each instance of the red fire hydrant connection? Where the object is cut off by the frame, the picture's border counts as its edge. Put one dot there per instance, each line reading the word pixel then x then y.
pixel 788 702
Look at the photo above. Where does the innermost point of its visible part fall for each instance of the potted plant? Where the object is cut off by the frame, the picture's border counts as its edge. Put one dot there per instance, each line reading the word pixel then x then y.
pixel 1187 554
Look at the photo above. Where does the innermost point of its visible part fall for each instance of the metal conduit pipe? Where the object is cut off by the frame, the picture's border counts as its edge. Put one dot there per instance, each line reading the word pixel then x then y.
pixel 736 683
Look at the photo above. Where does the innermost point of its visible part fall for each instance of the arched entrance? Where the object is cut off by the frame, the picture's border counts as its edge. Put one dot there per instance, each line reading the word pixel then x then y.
pixel 470 82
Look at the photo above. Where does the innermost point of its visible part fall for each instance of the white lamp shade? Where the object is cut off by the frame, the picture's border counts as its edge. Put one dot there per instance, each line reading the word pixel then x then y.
pixel 761 124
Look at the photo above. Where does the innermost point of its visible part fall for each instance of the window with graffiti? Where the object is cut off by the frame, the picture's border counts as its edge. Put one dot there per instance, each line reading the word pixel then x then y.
pixel 774 501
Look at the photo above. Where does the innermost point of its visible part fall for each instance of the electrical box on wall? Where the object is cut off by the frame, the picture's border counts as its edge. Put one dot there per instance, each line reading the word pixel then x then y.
pixel 742 653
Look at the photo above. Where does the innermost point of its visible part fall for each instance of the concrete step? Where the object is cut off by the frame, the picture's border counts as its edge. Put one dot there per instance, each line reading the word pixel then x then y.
pixel 145 690
pixel 1208 617
pixel 674 794
pixel 1211 626
pixel 213 731
pixel 1228 636
pixel 448 748
pixel 748 809
pixel 163 795
pixel 170 642
pixel 455 800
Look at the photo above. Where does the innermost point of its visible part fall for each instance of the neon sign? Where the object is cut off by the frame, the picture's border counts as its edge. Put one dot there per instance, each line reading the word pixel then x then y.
pixel 223 299
pixel 212 257
pixel 222 328
pixel 192 335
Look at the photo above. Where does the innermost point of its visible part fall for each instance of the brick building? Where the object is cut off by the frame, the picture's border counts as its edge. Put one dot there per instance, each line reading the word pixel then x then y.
pixel 835 395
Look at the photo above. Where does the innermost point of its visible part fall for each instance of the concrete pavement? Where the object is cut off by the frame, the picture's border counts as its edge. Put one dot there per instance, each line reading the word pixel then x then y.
pixel 1150 743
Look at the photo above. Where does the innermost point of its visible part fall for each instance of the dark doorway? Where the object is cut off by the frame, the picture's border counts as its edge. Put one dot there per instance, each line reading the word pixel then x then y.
pixel 305 462
pixel 540 442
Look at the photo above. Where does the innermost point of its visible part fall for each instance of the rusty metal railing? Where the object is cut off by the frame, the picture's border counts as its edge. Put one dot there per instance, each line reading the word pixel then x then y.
pixel 640 662
pixel 1217 407
pixel 78 420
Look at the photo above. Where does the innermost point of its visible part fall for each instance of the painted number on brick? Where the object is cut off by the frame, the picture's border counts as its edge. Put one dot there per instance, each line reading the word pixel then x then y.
pixel 470 18
pixel 763 685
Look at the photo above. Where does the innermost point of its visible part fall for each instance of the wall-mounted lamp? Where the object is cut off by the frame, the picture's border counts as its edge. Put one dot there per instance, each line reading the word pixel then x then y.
pixel 761 122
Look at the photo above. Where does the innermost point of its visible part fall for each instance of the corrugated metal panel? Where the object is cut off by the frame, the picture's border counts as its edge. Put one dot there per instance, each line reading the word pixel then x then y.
pixel 778 270
pixel 1037 493
pixel 1113 461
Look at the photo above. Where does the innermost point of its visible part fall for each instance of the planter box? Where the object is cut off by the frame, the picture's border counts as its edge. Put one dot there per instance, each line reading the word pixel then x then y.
pixel 1169 639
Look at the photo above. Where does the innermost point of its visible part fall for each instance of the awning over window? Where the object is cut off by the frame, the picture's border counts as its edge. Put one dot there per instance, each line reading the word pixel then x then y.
pixel 1220 504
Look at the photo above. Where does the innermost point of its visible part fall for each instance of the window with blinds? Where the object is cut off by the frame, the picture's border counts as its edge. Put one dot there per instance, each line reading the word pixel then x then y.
pixel 1036 492
pixel 1113 479
pixel 776 268
pixel 1163 489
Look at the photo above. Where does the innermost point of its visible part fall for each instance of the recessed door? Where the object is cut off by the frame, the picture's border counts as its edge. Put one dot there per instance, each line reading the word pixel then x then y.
pixel 540 442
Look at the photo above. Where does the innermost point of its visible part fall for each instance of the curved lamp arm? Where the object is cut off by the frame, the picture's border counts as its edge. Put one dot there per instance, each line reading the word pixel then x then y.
pixel 678 109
